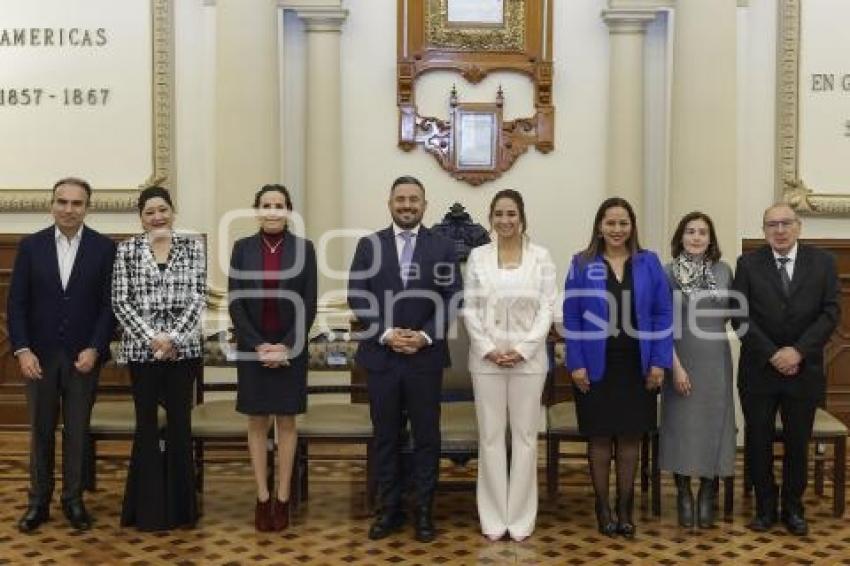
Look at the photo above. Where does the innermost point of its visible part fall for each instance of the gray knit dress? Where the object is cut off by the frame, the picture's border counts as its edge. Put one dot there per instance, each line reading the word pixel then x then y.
pixel 697 432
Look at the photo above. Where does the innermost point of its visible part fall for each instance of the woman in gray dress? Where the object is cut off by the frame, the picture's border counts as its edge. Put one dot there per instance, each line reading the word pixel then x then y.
pixel 697 433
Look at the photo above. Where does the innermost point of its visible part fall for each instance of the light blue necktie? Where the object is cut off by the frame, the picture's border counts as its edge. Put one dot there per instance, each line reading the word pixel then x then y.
pixel 406 255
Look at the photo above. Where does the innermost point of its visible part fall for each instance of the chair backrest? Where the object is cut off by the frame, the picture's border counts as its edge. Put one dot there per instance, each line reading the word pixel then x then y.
pixel 457 380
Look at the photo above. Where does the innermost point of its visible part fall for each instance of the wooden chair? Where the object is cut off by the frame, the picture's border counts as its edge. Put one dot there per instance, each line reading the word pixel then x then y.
pixel 215 422
pixel 826 431
pixel 113 415
pixel 336 422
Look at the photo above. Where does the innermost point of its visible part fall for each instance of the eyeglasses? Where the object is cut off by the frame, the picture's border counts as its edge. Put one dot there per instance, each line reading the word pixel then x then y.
pixel 776 224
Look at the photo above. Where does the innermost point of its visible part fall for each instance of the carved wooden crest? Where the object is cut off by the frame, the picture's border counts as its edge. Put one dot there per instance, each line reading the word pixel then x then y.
pixel 474 38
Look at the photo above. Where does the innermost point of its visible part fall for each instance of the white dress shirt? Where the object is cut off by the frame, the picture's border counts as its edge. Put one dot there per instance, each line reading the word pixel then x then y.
pixel 789 265
pixel 399 240
pixel 66 253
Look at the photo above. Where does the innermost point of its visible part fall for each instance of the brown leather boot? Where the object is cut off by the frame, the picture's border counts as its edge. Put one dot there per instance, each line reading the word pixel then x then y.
pixel 280 515
pixel 263 515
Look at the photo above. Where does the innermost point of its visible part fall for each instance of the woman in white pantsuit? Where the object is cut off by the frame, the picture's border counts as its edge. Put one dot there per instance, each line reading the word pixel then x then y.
pixel 509 299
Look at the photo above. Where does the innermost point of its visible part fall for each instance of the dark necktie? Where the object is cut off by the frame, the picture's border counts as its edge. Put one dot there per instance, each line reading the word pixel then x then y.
pixel 406 256
pixel 783 274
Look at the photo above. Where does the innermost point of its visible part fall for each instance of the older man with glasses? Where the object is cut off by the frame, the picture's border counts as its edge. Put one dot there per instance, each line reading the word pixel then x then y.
pixel 792 294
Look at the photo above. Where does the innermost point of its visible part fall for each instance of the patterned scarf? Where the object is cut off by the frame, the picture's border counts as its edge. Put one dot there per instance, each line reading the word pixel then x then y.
pixel 693 273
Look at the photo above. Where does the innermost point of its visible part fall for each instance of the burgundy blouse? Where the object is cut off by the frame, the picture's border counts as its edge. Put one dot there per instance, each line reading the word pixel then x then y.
pixel 271 323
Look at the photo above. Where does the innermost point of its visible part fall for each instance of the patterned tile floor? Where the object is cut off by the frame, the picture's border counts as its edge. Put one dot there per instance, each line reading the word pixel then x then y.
pixel 331 528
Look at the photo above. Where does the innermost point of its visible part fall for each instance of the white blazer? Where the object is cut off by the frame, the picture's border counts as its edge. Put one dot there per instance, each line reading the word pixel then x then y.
pixel 498 319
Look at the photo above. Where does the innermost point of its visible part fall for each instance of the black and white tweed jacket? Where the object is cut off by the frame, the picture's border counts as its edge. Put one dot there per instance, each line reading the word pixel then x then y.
pixel 147 302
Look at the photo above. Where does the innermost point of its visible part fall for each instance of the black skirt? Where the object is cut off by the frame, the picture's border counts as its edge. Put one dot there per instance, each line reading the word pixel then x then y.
pixel 265 391
pixel 619 405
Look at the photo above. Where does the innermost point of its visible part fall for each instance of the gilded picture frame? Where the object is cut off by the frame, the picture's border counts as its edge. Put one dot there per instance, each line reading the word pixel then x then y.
pixel 123 199
pixel 790 186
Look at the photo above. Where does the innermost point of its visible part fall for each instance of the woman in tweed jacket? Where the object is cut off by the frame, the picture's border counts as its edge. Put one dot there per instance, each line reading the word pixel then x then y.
pixel 158 295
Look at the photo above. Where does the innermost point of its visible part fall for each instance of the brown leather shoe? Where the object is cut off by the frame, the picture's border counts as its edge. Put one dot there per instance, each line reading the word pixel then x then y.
pixel 263 515
pixel 280 514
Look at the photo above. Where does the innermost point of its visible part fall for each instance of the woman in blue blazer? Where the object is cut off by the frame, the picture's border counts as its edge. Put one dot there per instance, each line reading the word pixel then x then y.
pixel 618 317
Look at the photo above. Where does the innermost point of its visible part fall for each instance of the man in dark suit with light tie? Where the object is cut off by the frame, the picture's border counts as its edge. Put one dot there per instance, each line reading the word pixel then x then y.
pixel 792 295
pixel 403 288
pixel 60 324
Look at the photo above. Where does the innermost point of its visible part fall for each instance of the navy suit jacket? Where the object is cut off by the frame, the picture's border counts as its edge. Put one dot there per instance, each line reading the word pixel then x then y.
pixel 586 315
pixel 380 301
pixel 46 319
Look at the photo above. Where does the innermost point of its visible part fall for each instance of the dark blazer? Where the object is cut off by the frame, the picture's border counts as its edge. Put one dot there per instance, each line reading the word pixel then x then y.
pixel 805 319
pixel 297 275
pixel 585 300
pixel 46 319
pixel 377 297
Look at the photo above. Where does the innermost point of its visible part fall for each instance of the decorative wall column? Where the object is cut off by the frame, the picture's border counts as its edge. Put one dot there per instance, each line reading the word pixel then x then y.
pixel 247 146
pixel 703 157
pixel 625 151
pixel 323 172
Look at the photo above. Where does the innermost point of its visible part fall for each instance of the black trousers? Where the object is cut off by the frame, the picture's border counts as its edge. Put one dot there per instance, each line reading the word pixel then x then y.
pixel 797 414
pixel 160 492
pixel 60 382
pixel 393 395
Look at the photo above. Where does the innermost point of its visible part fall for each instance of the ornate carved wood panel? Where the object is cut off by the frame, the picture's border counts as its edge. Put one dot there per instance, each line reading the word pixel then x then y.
pixel 520 42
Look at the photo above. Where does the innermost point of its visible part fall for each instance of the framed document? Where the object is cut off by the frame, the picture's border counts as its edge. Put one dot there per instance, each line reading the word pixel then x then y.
pixel 85 90
pixel 475 12
pixel 813 106
pixel 476 137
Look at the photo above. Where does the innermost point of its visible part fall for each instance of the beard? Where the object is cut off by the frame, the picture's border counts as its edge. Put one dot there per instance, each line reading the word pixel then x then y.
pixel 407 224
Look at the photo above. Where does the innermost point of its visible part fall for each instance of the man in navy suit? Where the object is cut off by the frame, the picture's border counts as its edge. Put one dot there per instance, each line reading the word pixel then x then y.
pixel 60 324
pixel 403 288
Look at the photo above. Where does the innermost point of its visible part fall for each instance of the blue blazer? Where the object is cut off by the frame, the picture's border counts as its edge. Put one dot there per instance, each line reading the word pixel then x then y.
pixel 586 314
pixel 377 297
pixel 46 319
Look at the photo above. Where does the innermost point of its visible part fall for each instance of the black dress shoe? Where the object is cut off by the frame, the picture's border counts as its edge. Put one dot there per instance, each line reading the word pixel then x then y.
pixel 795 524
pixel 762 523
pixel 385 524
pixel 33 518
pixel 424 525
pixel 77 515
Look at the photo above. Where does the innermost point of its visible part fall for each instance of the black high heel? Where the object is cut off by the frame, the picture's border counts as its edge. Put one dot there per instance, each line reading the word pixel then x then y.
pixel 625 525
pixel 604 522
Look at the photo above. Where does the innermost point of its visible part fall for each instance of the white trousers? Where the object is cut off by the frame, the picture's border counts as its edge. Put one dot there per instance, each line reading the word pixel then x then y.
pixel 507 499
